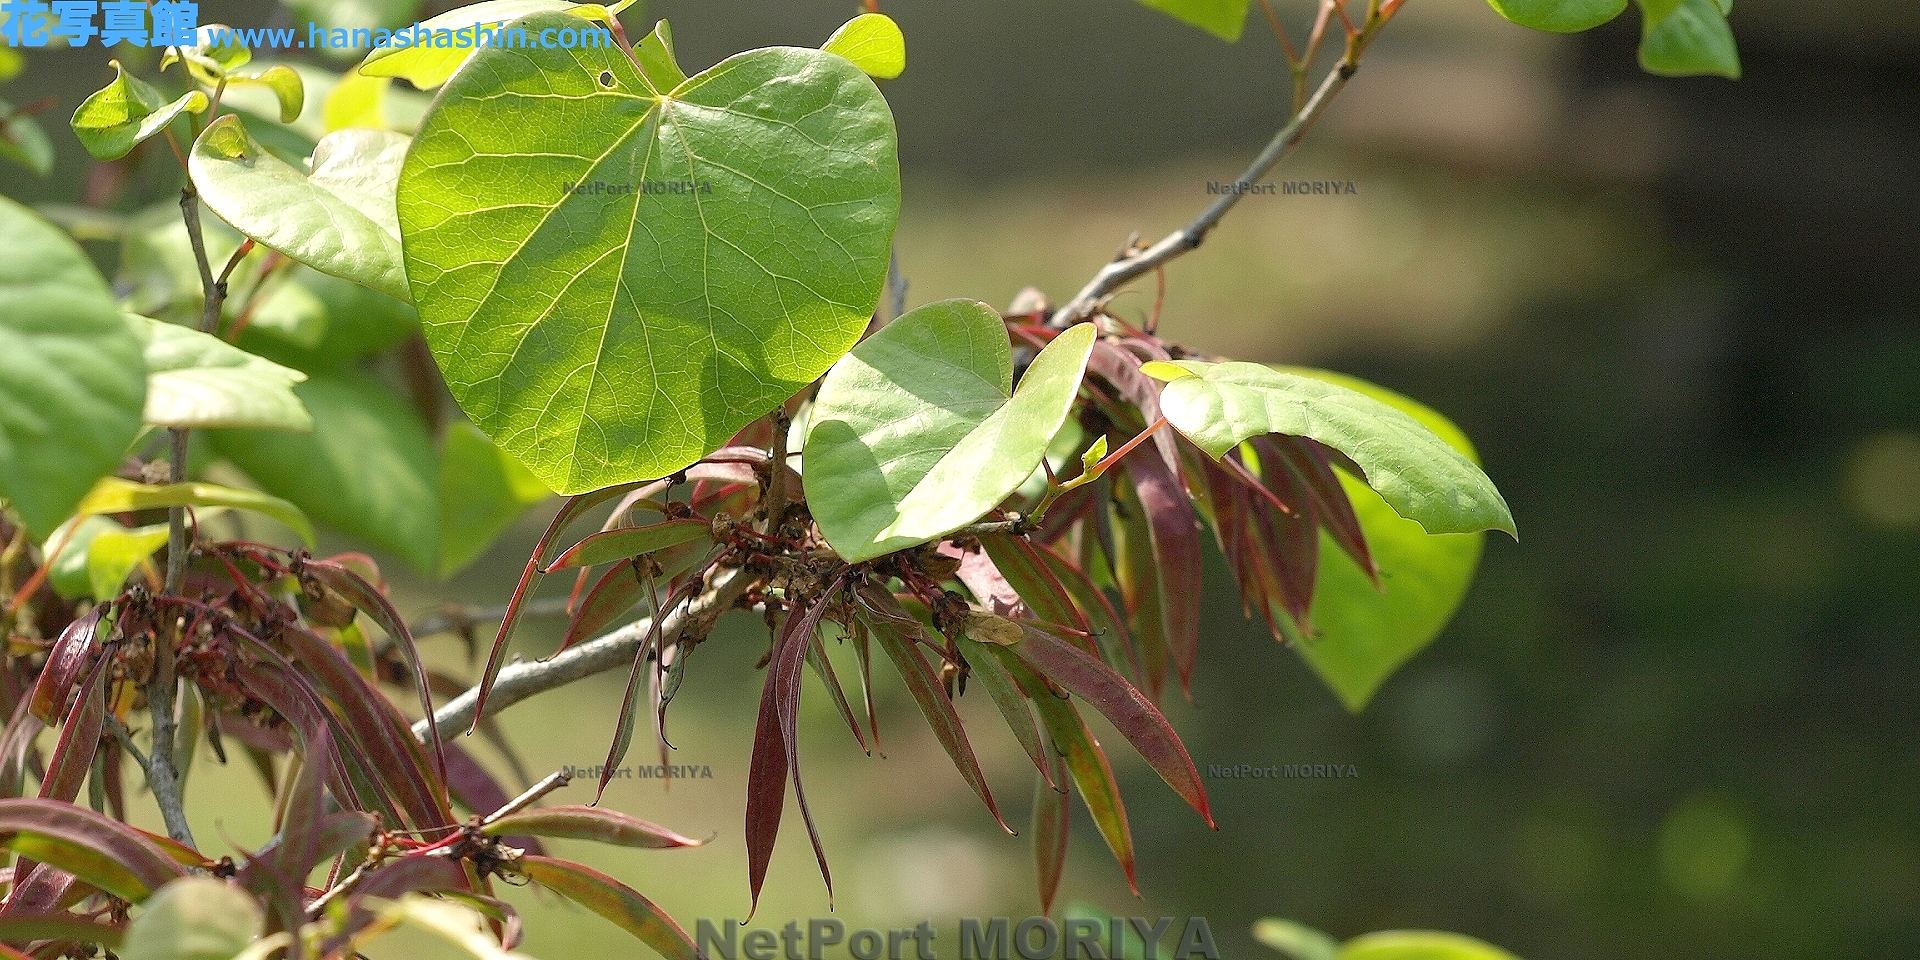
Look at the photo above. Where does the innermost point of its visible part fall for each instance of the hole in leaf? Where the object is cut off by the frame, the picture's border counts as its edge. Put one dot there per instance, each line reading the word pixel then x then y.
pixel 606 78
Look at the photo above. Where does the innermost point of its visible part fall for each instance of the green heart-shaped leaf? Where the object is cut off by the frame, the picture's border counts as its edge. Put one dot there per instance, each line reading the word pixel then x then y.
pixel 1685 38
pixel 72 383
pixel 338 220
pixel 918 432
pixel 121 114
pixel 615 280
pixel 1424 478
pixel 1559 16
pixel 1362 633
pixel 873 42
pixel 198 381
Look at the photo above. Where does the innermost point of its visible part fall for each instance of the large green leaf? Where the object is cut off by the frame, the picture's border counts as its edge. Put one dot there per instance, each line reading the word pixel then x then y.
pixel 119 115
pixel 199 381
pixel 1684 38
pixel 367 469
pixel 1222 18
pixel 1363 633
pixel 1420 945
pixel 339 219
pixel 114 495
pixel 482 491
pixel 72 384
pixel 918 431
pixel 1421 475
pixel 614 332
pixel 1559 16
pixel 194 918
pixel 428 67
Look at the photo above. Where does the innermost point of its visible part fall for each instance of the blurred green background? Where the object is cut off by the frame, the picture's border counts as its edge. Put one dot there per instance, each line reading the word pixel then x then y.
pixel 1681 318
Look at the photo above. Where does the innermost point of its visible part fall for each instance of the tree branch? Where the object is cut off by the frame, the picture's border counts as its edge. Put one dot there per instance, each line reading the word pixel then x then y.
pixel 1123 270
pixel 518 681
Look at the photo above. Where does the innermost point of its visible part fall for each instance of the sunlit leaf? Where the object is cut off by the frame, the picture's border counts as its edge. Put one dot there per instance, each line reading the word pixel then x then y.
pixel 1559 16
pixel 428 67
pixel 283 81
pixel 367 469
pixel 114 495
pixel 919 432
pixel 1424 478
pixel 71 380
pixel 609 898
pixel 120 115
pixel 198 381
pixel 873 42
pixel 339 219
pixel 597 824
pixel 1222 18
pixel 116 552
pixel 101 851
pixel 1295 941
pixel 734 235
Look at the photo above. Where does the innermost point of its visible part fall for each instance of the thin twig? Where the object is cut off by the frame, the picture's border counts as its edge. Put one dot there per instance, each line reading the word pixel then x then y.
pixel 553 782
pixel 1116 274
pixel 518 681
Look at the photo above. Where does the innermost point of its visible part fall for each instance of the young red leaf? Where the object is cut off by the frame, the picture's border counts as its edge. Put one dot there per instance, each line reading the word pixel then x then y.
pixel 1121 703
pixel 59 928
pixel 1039 589
pixel 1109 628
pixel 615 901
pixel 1120 367
pixel 823 668
pixel 67 661
pixel 1006 695
pixel 597 824
pixel 370 601
pixel 1051 821
pixel 105 853
pixel 887 624
pixel 1139 582
pixel 789 655
pixel 1175 533
pixel 1308 460
pixel 79 739
pixel 628 542
pixel 766 789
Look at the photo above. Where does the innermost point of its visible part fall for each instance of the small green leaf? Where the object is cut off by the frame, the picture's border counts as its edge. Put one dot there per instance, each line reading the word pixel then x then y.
pixel 1164 370
pixel 918 431
pixel 1420 945
pixel 873 42
pixel 194 918
pixel 602 330
pixel 615 901
pixel 1559 16
pixel 657 61
pixel 115 552
pixel 338 220
pixel 1692 39
pixel 1095 453
pixel 123 113
pixel 1222 18
pixel 199 381
pixel 1363 633
pixel 208 62
pixel 1423 477
pixel 114 495
pixel 429 67
pixel 367 469
pixel 71 379
pixel 285 84
pixel 1296 941
pixel 23 141
pixel 482 491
